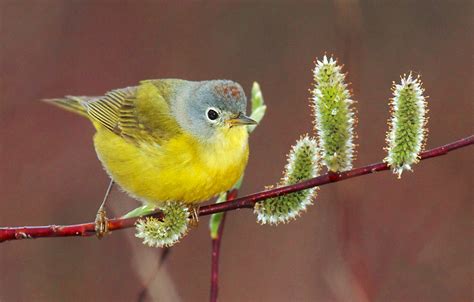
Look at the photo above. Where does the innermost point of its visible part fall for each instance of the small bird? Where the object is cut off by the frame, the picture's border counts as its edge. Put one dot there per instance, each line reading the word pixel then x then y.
pixel 168 139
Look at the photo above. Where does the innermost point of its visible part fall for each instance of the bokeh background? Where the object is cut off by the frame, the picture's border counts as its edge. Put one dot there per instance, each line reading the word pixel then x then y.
pixel 373 238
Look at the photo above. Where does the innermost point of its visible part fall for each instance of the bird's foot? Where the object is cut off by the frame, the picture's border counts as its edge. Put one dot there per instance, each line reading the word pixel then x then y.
pixel 194 209
pixel 101 223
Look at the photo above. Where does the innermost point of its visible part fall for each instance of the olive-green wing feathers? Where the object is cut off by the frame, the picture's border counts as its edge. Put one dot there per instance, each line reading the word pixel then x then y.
pixel 138 114
pixel 71 103
pixel 115 111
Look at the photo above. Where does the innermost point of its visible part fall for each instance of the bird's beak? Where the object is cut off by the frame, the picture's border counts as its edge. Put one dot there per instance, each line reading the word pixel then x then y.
pixel 241 120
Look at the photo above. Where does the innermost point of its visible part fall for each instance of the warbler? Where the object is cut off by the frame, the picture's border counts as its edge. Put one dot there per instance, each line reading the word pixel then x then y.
pixel 168 139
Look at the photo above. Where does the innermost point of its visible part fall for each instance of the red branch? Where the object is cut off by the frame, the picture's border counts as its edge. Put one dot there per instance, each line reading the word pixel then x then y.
pixel 216 249
pixel 88 229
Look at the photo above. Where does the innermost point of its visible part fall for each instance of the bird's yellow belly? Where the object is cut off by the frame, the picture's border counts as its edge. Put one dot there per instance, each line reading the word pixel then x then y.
pixel 180 169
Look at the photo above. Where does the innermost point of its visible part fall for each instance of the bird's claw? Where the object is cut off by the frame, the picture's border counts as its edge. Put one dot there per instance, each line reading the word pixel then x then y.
pixel 194 209
pixel 101 223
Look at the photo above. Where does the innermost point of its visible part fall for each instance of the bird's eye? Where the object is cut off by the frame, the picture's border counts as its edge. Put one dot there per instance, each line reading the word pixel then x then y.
pixel 212 114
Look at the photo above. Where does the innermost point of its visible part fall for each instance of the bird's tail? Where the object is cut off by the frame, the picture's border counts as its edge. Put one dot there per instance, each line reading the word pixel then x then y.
pixel 71 103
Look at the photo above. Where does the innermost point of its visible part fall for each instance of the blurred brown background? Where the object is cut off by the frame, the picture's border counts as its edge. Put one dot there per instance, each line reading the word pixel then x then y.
pixel 373 238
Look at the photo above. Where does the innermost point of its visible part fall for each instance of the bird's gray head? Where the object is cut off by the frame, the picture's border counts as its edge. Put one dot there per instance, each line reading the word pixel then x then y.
pixel 206 107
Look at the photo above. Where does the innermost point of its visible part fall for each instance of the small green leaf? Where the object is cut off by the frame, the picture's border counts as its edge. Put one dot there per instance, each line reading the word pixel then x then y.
pixel 257 98
pixel 214 223
pixel 216 218
pixel 238 184
pixel 257 115
pixel 140 211
pixel 258 106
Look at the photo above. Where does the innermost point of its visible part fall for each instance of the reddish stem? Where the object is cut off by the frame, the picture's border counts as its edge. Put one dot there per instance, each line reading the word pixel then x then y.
pixel 216 248
pixel 88 229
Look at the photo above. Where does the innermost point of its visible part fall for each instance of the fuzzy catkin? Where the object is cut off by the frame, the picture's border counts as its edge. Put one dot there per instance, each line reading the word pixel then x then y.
pixel 302 164
pixel 407 126
pixel 334 115
pixel 156 233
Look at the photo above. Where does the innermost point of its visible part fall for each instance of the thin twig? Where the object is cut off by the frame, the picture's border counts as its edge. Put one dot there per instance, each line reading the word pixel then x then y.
pixel 87 229
pixel 216 248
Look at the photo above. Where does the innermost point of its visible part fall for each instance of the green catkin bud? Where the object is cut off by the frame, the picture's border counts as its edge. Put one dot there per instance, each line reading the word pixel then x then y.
pixel 157 233
pixel 407 126
pixel 334 115
pixel 302 164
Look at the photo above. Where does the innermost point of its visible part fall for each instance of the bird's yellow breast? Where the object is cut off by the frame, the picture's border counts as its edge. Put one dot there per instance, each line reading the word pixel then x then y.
pixel 180 169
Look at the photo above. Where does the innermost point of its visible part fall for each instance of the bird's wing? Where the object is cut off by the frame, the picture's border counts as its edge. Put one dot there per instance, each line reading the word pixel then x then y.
pixel 138 114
